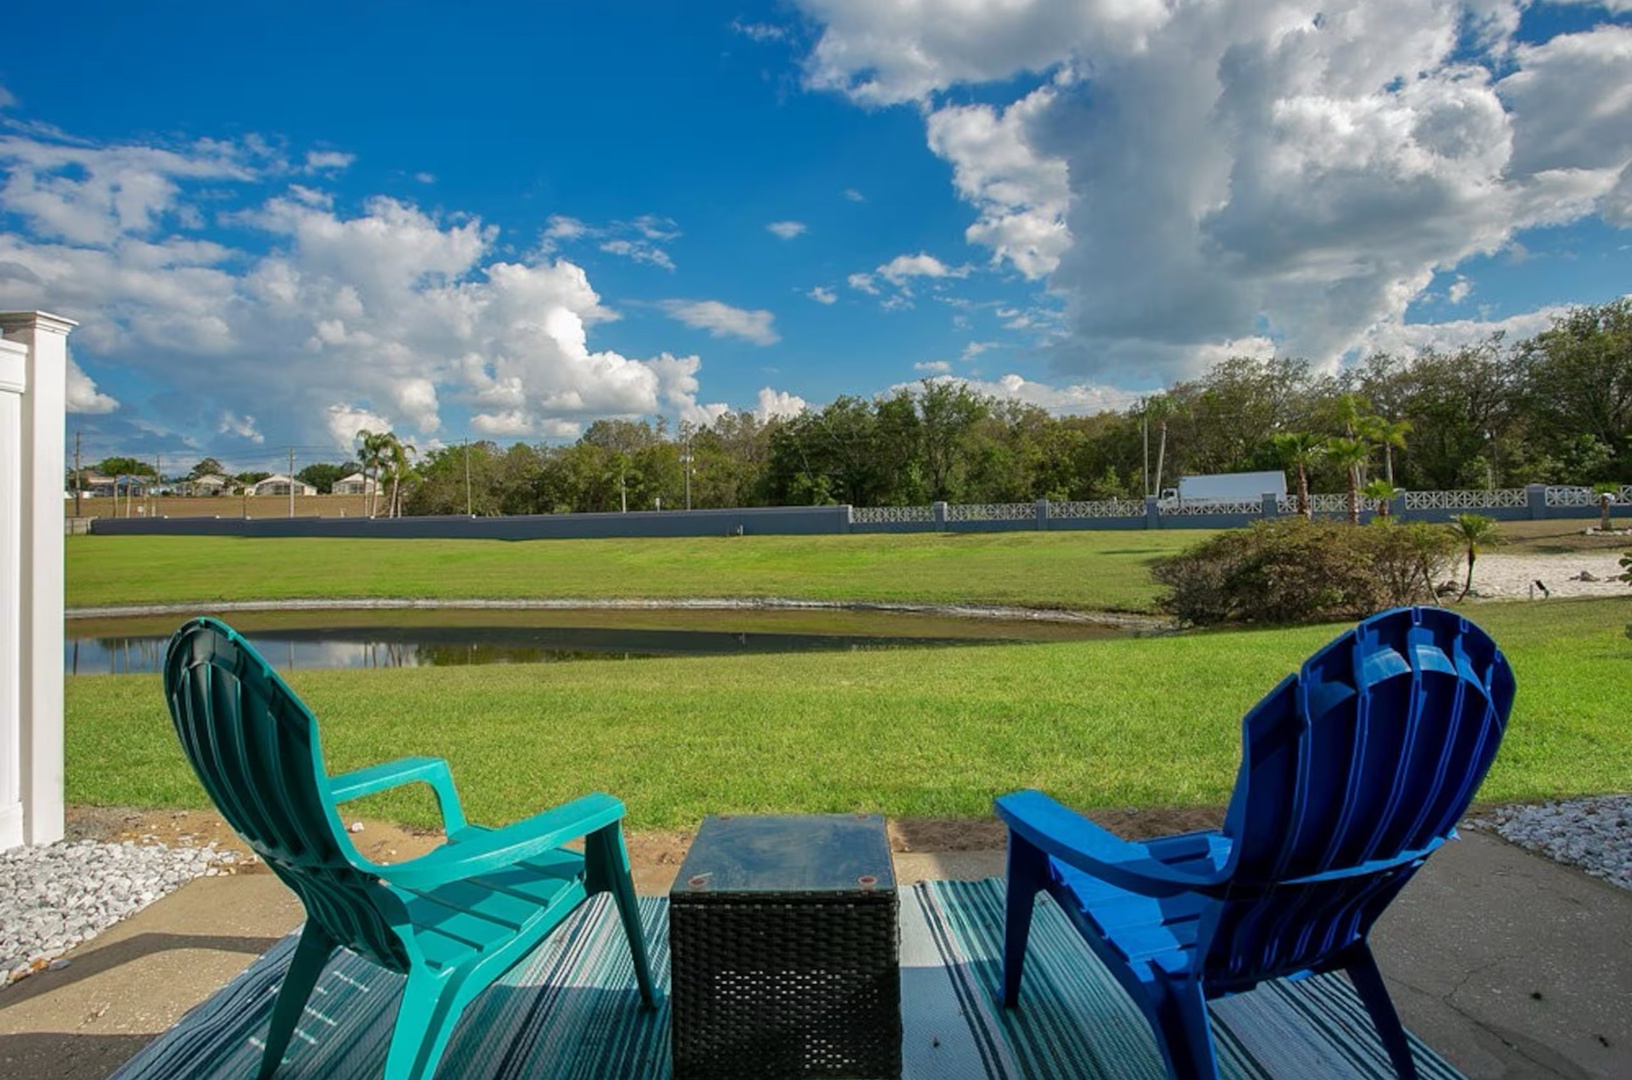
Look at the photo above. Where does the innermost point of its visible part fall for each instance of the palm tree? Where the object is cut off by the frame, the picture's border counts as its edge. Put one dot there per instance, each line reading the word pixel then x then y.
pixel 1300 450
pixel 1473 531
pixel 1349 455
pixel 372 455
pixel 1160 408
pixel 397 454
pixel 1353 410
pixel 1380 492
pixel 1390 435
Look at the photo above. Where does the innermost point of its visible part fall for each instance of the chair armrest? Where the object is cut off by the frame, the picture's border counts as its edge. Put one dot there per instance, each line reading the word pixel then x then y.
pixel 1074 840
pixel 481 851
pixel 378 778
pixel 1366 869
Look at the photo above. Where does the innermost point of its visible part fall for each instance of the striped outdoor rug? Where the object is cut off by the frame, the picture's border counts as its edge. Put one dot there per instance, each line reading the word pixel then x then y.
pixel 571 1011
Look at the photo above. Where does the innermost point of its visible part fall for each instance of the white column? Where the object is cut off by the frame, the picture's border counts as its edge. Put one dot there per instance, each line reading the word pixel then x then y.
pixel 40 593
pixel 13 381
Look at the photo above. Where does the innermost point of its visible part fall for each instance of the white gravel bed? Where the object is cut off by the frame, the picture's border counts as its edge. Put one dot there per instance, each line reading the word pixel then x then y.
pixel 54 896
pixel 1594 834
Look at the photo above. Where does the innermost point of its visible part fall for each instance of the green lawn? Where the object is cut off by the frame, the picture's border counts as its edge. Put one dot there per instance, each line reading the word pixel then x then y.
pixel 1142 722
pixel 1104 571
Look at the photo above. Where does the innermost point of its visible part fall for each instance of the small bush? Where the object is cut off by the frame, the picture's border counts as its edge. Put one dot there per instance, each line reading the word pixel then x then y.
pixel 1294 571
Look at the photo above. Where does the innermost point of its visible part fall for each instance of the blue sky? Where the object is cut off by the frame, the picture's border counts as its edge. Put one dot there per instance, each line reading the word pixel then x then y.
pixel 515 220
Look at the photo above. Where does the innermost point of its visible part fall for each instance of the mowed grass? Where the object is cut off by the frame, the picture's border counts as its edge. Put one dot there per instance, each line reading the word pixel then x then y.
pixel 1077 570
pixel 912 733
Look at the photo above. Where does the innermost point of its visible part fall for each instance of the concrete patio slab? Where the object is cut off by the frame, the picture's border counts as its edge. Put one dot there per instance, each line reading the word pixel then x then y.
pixel 1512 966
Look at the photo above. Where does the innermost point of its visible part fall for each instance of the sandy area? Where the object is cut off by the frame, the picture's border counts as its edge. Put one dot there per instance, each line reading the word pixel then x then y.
pixel 1509 576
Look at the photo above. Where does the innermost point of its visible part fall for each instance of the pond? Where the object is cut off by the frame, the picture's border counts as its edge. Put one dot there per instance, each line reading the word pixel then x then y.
pixel 307 640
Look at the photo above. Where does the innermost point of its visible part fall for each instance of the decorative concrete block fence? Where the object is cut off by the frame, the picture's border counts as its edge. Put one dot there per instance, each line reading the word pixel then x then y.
pixel 1536 502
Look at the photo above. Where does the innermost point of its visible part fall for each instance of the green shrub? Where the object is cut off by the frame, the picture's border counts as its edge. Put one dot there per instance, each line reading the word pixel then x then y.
pixel 1295 571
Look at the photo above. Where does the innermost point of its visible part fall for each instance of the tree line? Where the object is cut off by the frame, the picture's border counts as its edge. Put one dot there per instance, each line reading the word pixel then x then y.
pixel 1555 408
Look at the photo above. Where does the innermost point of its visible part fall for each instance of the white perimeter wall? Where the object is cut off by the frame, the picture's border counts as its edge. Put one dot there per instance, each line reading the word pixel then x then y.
pixel 33 407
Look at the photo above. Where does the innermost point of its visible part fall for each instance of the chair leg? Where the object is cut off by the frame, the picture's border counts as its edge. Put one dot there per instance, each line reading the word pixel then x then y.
pixel 312 952
pixel 606 869
pixel 1185 1033
pixel 425 1020
pixel 1362 971
pixel 1027 871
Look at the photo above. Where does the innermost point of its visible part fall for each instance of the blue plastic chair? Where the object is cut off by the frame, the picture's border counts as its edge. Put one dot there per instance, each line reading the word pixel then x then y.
pixel 1353 771
pixel 452 921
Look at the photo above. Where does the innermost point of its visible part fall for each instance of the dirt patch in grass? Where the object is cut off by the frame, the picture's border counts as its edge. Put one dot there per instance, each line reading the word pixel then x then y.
pixel 654 854
pixel 1563 537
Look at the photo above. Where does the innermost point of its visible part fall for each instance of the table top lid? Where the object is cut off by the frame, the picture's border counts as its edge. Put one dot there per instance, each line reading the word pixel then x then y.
pixel 787 854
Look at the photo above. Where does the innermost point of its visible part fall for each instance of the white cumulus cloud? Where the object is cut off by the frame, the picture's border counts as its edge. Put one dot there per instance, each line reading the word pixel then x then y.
pixel 640 240
pixel 1022 194
pixel 241 426
pixel 1185 175
pixel 83 396
pixel 760 33
pixel 883 52
pixel 822 295
pixel 512 423
pixel 562 227
pixel 1076 399
pixel 901 269
pixel 640 251
pixel 787 230
pixel 347 422
pixel 330 320
pixel 774 403
pixel 328 161
pixel 723 320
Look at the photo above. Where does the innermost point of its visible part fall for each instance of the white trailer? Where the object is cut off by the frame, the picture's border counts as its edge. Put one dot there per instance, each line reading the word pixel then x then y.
pixel 1224 488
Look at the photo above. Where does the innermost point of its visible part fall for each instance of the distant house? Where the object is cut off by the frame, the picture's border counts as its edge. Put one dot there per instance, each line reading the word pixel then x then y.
pixel 211 484
pixel 96 484
pixel 278 484
pixel 355 484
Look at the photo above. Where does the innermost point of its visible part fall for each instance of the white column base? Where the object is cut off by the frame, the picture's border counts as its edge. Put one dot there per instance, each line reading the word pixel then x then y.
pixel 11 826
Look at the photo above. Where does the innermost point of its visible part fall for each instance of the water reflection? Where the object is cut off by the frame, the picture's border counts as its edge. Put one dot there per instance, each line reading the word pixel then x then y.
pixel 295 649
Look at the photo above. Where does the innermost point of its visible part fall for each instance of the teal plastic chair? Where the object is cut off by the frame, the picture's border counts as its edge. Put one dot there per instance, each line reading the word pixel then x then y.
pixel 1353 771
pixel 452 921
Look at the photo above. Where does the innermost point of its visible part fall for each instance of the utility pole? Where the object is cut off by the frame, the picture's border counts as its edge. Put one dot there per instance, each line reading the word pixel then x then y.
pixel 79 478
pixel 1144 427
pixel 291 481
pixel 685 458
pixel 152 492
pixel 467 479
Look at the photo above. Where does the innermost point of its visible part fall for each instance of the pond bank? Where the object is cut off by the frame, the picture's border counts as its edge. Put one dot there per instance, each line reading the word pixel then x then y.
pixel 1127 623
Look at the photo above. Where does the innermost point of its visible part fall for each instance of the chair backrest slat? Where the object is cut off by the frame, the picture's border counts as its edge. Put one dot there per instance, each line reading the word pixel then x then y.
pixel 254 746
pixel 1370 753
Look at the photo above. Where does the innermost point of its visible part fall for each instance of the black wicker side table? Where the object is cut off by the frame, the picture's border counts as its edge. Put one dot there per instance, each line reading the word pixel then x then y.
pixel 783 954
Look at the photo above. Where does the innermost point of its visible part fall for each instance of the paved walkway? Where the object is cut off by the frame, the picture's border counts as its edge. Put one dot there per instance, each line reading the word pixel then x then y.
pixel 1509 964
